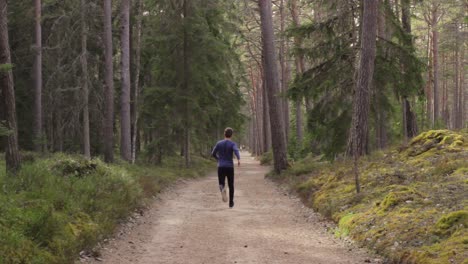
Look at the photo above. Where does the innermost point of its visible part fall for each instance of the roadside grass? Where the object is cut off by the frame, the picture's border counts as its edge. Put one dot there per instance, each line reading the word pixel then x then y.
pixel 413 207
pixel 61 204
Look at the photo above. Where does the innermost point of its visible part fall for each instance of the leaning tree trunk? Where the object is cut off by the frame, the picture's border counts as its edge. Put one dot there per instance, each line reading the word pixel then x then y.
pixel 109 85
pixel 37 127
pixel 7 94
pixel 84 69
pixel 272 84
pixel 361 106
pixel 125 126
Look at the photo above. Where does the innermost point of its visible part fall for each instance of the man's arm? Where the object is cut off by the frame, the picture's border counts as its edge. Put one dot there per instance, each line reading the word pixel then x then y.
pixel 236 152
pixel 215 152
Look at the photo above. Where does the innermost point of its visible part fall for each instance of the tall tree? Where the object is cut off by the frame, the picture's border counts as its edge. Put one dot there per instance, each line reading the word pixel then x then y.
pixel 38 130
pixel 109 84
pixel 125 123
pixel 85 82
pixel 185 83
pixel 137 78
pixel 300 68
pixel 272 84
pixel 435 59
pixel 7 94
pixel 284 63
pixel 361 105
pixel 410 128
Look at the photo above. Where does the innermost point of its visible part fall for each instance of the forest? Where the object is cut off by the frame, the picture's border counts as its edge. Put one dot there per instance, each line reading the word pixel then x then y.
pixel 335 95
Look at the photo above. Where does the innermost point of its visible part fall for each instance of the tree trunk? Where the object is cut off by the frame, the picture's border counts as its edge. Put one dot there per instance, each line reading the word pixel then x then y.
pixel 409 117
pixel 266 116
pixel 361 104
pixel 109 85
pixel 462 88
pixel 260 117
pixel 37 129
pixel 444 107
pixel 7 94
pixel 300 68
pixel 284 72
pixel 125 126
pixel 458 87
pixel 186 65
pixel 272 84
pixel 137 79
pixel 84 69
pixel 435 53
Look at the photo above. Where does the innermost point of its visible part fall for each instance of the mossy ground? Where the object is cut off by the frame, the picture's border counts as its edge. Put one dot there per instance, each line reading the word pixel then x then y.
pixel 60 205
pixel 413 207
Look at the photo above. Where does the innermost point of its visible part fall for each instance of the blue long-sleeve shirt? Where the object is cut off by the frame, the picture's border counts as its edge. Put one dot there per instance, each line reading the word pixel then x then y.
pixel 223 153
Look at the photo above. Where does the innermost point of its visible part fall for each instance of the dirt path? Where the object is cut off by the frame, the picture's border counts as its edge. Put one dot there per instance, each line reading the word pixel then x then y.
pixel 190 224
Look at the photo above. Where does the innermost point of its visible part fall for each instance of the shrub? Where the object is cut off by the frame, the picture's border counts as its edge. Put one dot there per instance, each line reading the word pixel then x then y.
pixel 58 206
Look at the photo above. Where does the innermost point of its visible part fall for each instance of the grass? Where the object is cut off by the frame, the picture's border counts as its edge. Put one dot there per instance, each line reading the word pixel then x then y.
pixel 413 207
pixel 57 206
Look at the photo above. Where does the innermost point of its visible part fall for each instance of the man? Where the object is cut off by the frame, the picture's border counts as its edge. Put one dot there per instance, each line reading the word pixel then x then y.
pixel 222 152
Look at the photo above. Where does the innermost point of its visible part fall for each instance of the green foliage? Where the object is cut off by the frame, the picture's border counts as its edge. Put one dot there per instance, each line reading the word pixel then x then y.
pixel 204 97
pixel 412 207
pixel 4 131
pixel 5 67
pixel 266 158
pixel 58 206
pixel 329 46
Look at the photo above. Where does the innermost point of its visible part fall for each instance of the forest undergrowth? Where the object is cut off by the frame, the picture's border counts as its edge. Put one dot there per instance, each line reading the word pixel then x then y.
pixel 60 205
pixel 413 205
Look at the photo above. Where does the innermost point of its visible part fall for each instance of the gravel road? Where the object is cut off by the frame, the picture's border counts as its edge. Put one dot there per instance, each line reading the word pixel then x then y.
pixel 189 223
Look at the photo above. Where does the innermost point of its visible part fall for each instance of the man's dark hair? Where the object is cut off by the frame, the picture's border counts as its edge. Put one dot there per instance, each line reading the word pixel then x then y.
pixel 228 132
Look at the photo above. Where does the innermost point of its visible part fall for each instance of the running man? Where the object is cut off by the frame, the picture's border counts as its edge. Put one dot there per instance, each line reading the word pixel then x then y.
pixel 222 152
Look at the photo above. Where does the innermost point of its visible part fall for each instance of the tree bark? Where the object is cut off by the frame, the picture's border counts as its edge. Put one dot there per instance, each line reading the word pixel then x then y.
pixel 360 120
pixel 7 94
pixel 84 69
pixel 272 84
pixel 37 128
pixel 125 122
pixel 137 78
pixel 109 85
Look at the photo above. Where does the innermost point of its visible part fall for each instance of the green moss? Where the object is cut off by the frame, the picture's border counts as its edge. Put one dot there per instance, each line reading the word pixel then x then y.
pixel 344 225
pixel 449 223
pixel 405 192
pixel 462 171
